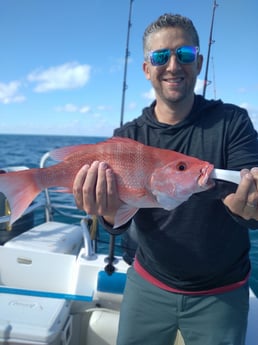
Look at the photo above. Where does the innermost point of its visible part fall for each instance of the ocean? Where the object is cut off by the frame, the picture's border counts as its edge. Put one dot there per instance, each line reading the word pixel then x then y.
pixel 27 150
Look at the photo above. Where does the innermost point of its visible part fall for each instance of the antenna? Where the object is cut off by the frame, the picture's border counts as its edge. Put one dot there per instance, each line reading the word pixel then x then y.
pixel 127 54
pixel 211 41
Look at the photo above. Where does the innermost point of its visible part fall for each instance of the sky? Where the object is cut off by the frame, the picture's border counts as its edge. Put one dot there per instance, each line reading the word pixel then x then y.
pixel 62 62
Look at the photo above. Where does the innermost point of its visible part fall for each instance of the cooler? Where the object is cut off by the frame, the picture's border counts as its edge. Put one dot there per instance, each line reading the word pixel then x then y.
pixel 51 236
pixel 42 261
pixel 34 320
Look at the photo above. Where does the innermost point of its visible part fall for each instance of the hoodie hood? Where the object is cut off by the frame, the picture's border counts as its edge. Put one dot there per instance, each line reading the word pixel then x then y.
pixel 201 107
pixel 178 137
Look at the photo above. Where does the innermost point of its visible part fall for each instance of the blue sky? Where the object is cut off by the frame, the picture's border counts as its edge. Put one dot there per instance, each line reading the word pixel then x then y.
pixel 62 62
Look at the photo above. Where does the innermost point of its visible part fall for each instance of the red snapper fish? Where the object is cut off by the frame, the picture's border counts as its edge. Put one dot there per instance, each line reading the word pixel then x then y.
pixel 146 176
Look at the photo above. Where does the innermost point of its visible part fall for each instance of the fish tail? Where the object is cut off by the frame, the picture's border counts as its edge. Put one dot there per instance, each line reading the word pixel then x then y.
pixel 20 189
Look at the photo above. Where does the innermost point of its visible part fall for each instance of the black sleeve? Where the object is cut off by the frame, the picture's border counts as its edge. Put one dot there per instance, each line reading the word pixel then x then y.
pixel 241 148
pixel 109 228
pixel 241 142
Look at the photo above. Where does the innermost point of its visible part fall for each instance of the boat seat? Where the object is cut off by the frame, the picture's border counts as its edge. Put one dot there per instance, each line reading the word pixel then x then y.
pixel 103 325
pixel 102 328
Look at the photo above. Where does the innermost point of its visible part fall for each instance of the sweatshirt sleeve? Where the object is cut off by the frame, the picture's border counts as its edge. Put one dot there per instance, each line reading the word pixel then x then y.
pixel 109 228
pixel 242 152
pixel 238 149
pixel 241 144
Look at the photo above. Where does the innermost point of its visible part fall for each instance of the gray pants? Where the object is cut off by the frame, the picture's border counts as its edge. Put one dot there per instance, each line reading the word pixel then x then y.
pixel 152 316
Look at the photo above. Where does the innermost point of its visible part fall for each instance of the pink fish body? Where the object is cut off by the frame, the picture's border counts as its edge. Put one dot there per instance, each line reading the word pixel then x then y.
pixel 146 176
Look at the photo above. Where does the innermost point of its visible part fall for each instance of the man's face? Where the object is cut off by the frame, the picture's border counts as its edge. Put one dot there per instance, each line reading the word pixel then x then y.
pixel 173 82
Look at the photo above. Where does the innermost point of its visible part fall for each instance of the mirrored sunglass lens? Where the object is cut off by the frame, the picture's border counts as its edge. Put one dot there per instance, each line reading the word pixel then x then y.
pixel 160 57
pixel 186 54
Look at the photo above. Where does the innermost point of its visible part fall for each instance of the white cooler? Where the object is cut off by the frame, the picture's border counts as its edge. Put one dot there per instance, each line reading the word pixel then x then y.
pixel 28 319
pixel 34 320
pixel 54 237
pixel 42 259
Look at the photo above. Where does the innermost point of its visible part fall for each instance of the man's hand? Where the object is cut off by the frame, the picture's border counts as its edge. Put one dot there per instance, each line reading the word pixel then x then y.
pixel 244 202
pixel 95 191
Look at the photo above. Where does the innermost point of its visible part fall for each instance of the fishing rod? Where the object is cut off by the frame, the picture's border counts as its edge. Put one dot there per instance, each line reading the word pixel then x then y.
pixel 127 54
pixel 211 41
pixel 110 259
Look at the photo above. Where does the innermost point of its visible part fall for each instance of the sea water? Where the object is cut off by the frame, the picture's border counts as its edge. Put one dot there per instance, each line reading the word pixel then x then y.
pixel 27 150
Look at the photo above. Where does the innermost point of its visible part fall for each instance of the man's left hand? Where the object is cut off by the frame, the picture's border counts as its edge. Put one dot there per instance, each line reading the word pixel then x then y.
pixel 244 202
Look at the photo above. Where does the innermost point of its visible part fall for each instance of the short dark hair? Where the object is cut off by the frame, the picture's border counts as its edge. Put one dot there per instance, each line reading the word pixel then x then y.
pixel 168 20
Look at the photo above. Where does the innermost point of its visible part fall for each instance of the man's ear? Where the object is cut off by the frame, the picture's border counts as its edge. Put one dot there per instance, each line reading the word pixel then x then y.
pixel 146 70
pixel 199 63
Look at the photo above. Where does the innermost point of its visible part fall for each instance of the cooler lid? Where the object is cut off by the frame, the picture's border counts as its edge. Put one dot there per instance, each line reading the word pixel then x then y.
pixel 32 318
pixel 55 237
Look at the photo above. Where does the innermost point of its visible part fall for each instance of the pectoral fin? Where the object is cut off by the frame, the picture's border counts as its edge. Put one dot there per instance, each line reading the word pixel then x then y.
pixel 124 214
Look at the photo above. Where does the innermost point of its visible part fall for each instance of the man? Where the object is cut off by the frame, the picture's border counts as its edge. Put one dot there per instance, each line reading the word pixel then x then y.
pixel 192 265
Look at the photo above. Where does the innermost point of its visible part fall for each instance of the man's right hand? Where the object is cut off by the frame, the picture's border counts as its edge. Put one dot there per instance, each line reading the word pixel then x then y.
pixel 95 191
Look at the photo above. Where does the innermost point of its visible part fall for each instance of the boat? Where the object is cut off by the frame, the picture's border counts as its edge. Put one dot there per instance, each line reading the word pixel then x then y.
pixel 56 288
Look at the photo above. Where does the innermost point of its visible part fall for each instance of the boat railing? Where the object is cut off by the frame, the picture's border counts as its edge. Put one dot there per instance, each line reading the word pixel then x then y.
pixel 59 208
pixel 88 224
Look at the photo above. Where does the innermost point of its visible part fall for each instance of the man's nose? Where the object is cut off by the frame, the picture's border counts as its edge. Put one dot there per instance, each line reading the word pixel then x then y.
pixel 172 63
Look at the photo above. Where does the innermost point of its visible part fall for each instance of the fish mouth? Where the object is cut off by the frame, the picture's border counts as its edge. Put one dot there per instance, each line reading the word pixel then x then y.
pixel 204 180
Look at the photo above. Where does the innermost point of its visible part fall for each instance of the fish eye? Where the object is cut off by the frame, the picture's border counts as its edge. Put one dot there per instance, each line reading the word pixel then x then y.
pixel 181 166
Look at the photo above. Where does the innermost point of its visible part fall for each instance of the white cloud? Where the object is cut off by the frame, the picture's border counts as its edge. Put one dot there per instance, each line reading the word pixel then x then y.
pixel 252 110
pixel 119 65
pixel 72 108
pixel 242 90
pixel 150 95
pixel 84 109
pixel 9 93
pixel 67 76
pixel 199 86
pixel 104 107
pixel 132 106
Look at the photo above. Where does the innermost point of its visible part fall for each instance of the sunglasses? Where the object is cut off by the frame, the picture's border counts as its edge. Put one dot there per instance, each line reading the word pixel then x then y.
pixel 184 55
